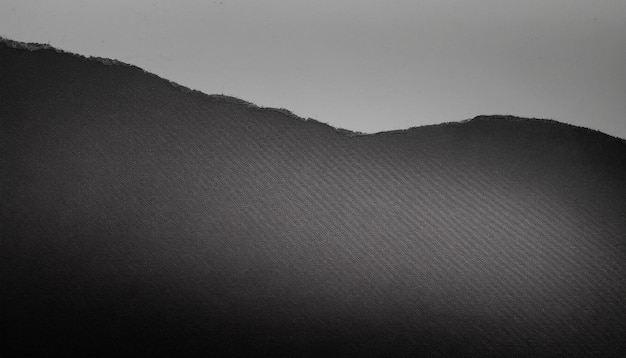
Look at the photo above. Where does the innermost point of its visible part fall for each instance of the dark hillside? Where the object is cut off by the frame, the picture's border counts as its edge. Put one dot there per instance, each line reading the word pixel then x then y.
pixel 141 218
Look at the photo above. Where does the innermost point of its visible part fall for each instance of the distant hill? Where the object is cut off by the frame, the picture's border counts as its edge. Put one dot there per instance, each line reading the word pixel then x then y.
pixel 142 218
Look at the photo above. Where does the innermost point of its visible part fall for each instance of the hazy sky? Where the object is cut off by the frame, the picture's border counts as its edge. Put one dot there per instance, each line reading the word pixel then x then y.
pixel 364 65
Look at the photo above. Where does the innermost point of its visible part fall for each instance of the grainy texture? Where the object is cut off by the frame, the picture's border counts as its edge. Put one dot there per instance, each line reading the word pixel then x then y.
pixel 140 219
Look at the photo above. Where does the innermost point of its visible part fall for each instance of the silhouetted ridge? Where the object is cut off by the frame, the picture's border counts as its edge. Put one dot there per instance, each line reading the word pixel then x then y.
pixel 230 99
pixel 139 219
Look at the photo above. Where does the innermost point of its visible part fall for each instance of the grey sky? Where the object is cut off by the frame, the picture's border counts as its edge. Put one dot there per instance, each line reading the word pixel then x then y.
pixel 364 65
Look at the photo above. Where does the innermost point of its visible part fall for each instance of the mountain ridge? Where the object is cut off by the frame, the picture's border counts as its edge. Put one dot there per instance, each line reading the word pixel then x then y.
pixel 141 220
pixel 33 46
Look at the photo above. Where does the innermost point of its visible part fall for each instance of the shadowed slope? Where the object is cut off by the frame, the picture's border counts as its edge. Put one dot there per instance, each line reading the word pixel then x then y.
pixel 137 218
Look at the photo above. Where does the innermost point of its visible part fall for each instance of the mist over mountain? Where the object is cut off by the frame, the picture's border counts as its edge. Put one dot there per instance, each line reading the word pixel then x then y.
pixel 142 218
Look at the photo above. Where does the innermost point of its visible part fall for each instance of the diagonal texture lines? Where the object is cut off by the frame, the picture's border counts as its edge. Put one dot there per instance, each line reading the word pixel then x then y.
pixel 139 218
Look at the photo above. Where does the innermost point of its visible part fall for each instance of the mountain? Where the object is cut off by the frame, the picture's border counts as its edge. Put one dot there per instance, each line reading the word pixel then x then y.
pixel 142 218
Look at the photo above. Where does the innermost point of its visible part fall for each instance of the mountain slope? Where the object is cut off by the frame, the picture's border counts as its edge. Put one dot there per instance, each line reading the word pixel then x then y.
pixel 141 218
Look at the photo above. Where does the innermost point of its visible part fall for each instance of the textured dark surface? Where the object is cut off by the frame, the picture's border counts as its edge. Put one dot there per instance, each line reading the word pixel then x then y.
pixel 138 218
